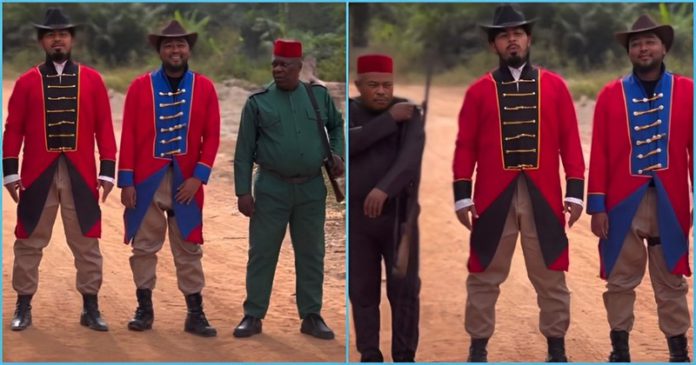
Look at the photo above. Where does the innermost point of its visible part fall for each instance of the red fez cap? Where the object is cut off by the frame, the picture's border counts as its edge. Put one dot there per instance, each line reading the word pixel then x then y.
pixel 287 48
pixel 375 63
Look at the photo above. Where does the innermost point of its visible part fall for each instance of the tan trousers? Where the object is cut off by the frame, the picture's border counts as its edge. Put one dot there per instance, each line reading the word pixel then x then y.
pixel 29 251
pixel 670 290
pixel 483 288
pixel 150 238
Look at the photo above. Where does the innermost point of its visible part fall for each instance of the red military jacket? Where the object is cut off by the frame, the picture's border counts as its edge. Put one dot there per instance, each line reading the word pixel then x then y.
pixel 638 141
pixel 518 129
pixel 57 116
pixel 162 128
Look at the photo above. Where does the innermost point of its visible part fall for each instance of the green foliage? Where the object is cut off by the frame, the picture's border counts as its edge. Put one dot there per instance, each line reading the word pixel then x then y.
pixel 575 40
pixel 235 40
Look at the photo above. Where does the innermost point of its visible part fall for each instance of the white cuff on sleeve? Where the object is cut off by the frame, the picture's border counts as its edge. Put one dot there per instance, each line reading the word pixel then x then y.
pixel 462 203
pixel 575 200
pixel 107 179
pixel 9 179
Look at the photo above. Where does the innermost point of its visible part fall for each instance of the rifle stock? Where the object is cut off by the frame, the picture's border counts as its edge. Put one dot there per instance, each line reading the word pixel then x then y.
pixel 340 196
pixel 405 246
pixel 328 159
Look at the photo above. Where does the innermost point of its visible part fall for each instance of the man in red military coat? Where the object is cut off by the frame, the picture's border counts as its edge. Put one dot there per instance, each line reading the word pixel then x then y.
pixel 515 123
pixel 57 110
pixel 638 192
pixel 171 134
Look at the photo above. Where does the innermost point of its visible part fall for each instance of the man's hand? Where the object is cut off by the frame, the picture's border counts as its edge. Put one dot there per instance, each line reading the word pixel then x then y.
pixel 186 191
pixel 128 197
pixel 13 188
pixel 245 204
pixel 600 225
pixel 575 211
pixel 107 186
pixel 338 166
pixel 401 112
pixel 463 216
pixel 374 203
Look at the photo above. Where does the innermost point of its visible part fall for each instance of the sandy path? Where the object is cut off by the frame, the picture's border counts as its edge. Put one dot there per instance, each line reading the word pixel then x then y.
pixel 444 251
pixel 57 336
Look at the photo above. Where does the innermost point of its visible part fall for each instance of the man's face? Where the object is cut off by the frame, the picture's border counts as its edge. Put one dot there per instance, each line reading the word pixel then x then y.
pixel 646 51
pixel 174 53
pixel 376 89
pixel 286 72
pixel 512 46
pixel 57 44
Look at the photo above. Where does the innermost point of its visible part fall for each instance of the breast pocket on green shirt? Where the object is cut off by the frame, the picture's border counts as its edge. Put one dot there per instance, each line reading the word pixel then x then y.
pixel 312 116
pixel 270 123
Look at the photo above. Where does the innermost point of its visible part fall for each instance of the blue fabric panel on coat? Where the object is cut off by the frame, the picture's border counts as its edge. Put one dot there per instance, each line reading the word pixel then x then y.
pixel 674 242
pixel 596 203
pixel 648 117
pixel 188 216
pixel 620 219
pixel 172 114
pixel 144 193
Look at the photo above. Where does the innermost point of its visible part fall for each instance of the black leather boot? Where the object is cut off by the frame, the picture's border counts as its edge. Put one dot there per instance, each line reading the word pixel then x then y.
pixel 144 314
pixel 477 350
pixel 196 323
pixel 678 349
pixel 22 315
pixel 90 314
pixel 619 345
pixel 556 349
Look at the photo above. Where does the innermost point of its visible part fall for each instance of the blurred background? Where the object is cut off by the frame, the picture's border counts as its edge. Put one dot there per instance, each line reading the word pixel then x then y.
pixel 234 40
pixel 575 40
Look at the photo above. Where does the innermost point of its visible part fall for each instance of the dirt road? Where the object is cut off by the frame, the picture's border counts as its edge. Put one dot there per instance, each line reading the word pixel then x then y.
pixel 444 251
pixel 56 334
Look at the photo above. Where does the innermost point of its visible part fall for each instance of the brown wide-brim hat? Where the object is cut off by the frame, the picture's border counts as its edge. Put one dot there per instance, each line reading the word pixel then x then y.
pixel 508 16
pixel 55 20
pixel 646 24
pixel 172 30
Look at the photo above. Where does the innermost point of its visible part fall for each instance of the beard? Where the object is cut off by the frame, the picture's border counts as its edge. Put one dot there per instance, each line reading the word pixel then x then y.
pixel 646 68
pixel 175 68
pixel 514 61
pixel 58 56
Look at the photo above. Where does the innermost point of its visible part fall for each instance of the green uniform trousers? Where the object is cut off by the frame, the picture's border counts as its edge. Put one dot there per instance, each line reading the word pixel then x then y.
pixel 277 204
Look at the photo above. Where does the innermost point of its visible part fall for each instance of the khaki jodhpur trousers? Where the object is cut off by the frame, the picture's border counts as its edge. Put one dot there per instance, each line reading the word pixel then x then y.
pixel 150 238
pixel 29 251
pixel 483 288
pixel 670 290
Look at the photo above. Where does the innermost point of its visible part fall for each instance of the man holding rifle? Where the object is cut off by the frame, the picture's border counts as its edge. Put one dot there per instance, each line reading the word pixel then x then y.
pixel 386 148
pixel 284 130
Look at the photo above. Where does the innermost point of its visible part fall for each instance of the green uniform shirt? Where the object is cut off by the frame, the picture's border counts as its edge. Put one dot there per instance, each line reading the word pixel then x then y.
pixel 279 132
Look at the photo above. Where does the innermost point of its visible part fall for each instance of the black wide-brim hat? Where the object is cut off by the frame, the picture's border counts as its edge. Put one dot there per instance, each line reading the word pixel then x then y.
pixel 646 24
pixel 172 30
pixel 508 16
pixel 54 20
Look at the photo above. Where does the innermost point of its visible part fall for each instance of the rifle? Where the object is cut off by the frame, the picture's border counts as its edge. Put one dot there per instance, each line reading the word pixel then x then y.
pixel 404 248
pixel 328 158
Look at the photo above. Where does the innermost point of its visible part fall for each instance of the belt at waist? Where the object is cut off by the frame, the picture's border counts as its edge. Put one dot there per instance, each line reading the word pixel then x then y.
pixel 297 179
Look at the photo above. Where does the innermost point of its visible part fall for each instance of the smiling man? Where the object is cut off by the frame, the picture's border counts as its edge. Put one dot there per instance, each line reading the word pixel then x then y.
pixel 279 131
pixel 516 125
pixel 171 134
pixel 57 110
pixel 638 192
